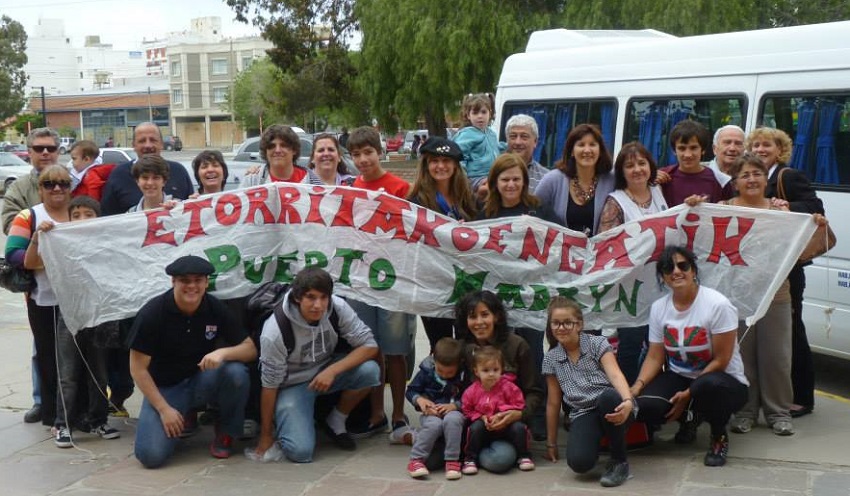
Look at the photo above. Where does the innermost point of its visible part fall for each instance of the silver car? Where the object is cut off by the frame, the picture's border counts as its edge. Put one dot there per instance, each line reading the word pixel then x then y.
pixel 11 168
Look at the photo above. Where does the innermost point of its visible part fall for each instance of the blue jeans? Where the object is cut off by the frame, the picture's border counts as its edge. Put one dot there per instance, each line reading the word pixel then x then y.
pixel 499 457
pixel 226 386
pixel 293 415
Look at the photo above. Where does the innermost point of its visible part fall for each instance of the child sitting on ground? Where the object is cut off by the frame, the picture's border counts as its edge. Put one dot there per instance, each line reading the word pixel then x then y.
pixel 435 391
pixel 490 394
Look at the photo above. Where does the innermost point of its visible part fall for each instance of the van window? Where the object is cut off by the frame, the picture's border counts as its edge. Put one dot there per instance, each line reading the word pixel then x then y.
pixel 649 120
pixel 555 119
pixel 819 126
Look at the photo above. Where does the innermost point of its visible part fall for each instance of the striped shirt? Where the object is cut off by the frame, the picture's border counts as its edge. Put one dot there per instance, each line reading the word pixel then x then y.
pixel 581 382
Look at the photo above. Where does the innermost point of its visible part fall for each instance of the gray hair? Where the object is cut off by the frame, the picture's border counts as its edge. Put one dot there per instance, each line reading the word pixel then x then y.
pixel 148 123
pixel 522 120
pixel 727 128
pixel 42 132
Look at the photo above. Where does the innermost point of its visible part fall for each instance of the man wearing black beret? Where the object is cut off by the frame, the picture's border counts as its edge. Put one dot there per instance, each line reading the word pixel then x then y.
pixel 188 351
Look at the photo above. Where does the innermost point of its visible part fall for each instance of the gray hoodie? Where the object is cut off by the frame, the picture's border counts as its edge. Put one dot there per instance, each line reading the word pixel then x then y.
pixel 314 345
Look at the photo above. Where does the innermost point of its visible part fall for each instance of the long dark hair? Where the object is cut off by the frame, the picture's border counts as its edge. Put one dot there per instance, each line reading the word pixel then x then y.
pixel 466 306
pixel 567 164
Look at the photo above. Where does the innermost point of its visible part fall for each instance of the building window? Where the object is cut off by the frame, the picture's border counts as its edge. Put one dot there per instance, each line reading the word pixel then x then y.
pixel 219 94
pixel 219 67
pixel 246 62
pixel 177 97
pixel 176 68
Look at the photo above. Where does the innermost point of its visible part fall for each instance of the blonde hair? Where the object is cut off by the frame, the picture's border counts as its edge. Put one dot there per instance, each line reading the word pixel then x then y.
pixel 780 137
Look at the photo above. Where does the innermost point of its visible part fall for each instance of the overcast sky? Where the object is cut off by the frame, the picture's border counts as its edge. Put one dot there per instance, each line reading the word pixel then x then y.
pixel 122 23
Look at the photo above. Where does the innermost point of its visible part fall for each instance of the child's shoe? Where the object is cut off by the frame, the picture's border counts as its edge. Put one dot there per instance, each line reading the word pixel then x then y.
pixel 526 464
pixel 453 470
pixel 469 467
pixel 416 468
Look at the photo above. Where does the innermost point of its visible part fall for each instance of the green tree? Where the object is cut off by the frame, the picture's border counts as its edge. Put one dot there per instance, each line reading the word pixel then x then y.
pixel 13 79
pixel 22 126
pixel 257 99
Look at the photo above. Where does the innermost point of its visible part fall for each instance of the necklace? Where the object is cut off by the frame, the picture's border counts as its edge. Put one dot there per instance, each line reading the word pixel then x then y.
pixel 644 204
pixel 584 195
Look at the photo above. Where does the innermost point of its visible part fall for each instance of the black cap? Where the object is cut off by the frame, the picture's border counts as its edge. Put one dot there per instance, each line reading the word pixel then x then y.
pixel 441 147
pixel 189 264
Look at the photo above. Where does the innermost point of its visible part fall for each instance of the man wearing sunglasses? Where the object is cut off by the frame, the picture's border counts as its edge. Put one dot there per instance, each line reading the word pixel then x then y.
pixel 43 145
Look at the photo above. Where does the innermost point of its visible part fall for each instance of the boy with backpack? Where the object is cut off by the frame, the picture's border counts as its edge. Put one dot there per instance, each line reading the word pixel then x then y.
pixel 298 363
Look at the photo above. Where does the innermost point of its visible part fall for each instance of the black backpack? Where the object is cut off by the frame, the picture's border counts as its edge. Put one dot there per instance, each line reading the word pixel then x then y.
pixel 265 301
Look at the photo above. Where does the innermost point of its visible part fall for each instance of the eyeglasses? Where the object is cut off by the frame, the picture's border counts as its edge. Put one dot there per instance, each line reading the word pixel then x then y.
pixel 63 185
pixel 683 266
pixel 754 175
pixel 566 324
pixel 42 148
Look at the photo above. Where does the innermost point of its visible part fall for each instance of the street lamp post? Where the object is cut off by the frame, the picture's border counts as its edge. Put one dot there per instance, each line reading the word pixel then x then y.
pixel 43 106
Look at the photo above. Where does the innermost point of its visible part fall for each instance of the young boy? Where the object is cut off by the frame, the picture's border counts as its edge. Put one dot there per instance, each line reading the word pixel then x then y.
pixel 72 364
pixel 436 391
pixel 88 175
pixel 689 140
pixel 151 174
pixel 393 330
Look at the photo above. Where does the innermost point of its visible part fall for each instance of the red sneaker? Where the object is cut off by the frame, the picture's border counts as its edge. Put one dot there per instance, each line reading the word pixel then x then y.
pixel 222 446
pixel 416 468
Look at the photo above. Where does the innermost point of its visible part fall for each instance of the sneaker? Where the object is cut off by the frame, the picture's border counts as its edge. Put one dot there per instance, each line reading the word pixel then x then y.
pixel 716 456
pixel 369 430
pixel 222 446
pixel 403 435
pixel 525 464
pixel 741 425
pixel 469 468
pixel 33 415
pixel 688 430
pixel 190 424
pixel 416 468
pixel 343 440
pixel 118 411
pixel 453 470
pixel 62 437
pixel 105 431
pixel 616 473
pixel 273 454
pixel 783 428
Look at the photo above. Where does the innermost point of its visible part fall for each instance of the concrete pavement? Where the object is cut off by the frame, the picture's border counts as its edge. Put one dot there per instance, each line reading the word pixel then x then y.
pixel 815 461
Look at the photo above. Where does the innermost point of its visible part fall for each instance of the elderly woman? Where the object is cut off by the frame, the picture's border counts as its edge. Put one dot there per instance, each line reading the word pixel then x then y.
pixel 442 186
pixel 327 163
pixel 578 187
pixel 280 147
pixel 773 146
pixel 210 172
pixel 693 367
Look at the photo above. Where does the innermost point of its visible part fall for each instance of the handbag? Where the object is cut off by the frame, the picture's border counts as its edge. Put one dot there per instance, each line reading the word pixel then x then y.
pixel 16 279
pixel 823 238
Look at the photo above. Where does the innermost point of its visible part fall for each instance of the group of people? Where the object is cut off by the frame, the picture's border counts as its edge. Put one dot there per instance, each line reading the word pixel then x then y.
pixel 486 389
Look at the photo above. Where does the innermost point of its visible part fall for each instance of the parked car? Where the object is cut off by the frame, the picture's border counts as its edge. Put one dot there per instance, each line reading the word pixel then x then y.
pixel 11 168
pixel 20 151
pixel 248 155
pixel 117 155
pixel 65 144
pixel 395 143
pixel 172 143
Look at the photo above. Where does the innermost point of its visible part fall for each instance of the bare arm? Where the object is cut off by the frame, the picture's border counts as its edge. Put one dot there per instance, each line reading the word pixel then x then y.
pixel 242 352
pixel 268 399
pixel 618 380
pixel 612 215
pixel 553 411
pixel 324 379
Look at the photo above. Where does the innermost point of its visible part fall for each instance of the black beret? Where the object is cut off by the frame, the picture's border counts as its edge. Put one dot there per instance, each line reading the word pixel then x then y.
pixel 441 147
pixel 189 264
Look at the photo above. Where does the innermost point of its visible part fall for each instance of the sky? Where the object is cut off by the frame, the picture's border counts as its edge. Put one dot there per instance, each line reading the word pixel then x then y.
pixel 122 23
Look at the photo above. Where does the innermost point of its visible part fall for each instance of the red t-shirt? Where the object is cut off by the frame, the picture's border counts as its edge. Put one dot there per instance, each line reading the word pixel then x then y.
pixel 298 175
pixel 388 183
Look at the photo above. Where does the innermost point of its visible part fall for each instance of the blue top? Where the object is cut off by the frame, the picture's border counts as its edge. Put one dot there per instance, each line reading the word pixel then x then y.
pixel 480 149
pixel 121 191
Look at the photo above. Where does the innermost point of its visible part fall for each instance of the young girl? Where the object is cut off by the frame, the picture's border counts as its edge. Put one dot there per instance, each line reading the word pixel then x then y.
pixel 490 394
pixel 478 142
pixel 581 369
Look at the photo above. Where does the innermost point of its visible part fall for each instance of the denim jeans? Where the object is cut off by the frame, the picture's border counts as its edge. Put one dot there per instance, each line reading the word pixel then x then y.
pixel 225 386
pixel 295 430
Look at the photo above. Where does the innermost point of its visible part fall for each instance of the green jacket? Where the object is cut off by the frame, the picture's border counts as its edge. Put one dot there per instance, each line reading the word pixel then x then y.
pixel 22 194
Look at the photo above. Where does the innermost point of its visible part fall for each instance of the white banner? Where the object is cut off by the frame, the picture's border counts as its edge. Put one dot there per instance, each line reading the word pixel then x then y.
pixel 388 252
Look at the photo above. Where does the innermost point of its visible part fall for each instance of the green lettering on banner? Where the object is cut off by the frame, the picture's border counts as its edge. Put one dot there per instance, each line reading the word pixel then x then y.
pixel 511 294
pixel 348 257
pixel 381 275
pixel 254 274
pixel 541 298
pixel 570 293
pixel 598 294
pixel 222 258
pixel 631 305
pixel 315 259
pixel 283 272
pixel 466 283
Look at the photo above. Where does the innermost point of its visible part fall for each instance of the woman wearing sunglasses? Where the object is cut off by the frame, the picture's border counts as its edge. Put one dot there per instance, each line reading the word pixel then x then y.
pixel 693 330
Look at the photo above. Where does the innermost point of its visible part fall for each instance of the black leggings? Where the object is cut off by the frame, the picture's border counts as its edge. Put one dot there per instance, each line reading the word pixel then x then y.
pixel 586 432
pixel 477 436
pixel 43 322
pixel 715 396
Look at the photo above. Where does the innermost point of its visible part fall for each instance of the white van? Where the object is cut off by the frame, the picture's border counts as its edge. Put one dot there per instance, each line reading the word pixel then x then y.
pixel 637 84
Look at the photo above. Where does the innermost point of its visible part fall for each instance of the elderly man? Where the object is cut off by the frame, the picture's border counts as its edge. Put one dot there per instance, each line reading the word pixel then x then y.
pixel 522 135
pixel 728 145
pixel 188 352
pixel 43 144
pixel 121 191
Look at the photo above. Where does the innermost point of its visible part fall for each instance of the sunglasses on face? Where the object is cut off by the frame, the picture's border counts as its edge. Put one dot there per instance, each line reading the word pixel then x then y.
pixel 52 184
pixel 683 266
pixel 42 148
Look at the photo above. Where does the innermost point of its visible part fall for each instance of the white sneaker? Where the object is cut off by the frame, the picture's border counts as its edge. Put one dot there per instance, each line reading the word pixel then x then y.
pixel 273 454
pixel 403 435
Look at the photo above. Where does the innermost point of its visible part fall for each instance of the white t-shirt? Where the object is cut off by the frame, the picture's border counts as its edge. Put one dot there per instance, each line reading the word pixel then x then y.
pixel 686 335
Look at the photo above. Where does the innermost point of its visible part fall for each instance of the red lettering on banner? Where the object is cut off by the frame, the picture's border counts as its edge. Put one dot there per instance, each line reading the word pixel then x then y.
pixel 424 228
pixel 221 215
pixel 387 217
pixel 659 228
pixel 464 238
pixel 494 241
pixel 257 203
pixel 530 248
pixel 155 236
pixel 612 249
pixel 344 216
pixel 288 197
pixel 568 263
pixel 195 208
pixel 314 216
pixel 691 231
pixel 729 245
